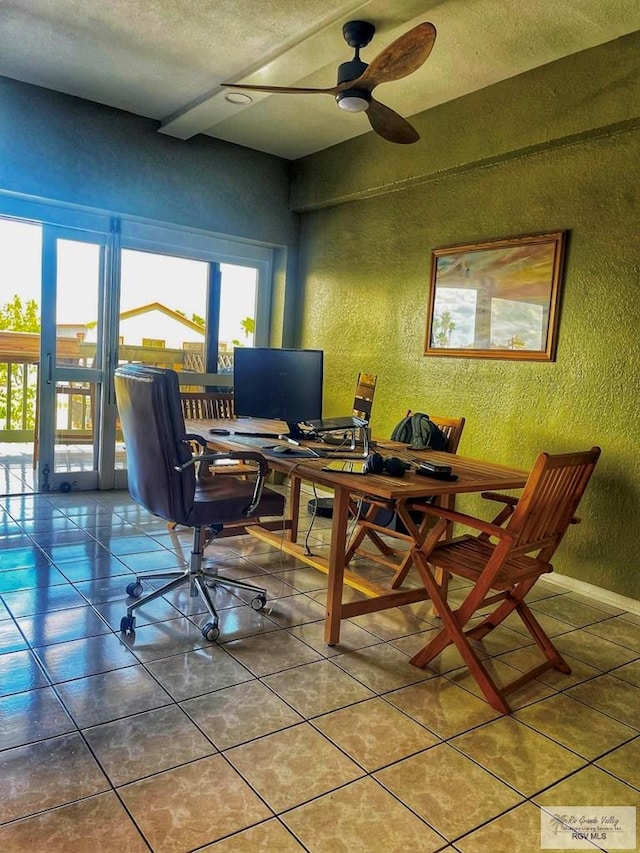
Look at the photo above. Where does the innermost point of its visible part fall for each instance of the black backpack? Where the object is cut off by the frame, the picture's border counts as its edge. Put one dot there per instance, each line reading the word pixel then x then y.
pixel 418 431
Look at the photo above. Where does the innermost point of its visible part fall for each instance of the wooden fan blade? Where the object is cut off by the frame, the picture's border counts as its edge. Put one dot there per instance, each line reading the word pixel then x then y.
pixel 291 90
pixel 401 58
pixel 389 125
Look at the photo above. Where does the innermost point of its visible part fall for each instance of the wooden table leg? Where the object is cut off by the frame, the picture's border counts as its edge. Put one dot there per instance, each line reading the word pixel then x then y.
pixel 336 566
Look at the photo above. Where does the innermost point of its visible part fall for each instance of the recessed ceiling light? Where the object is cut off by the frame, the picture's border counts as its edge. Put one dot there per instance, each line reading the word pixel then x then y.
pixel 238 98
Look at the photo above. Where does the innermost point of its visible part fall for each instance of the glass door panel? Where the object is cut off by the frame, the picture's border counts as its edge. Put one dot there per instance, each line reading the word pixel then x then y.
pixel 238 309
pixel 72 378
pixel 163 310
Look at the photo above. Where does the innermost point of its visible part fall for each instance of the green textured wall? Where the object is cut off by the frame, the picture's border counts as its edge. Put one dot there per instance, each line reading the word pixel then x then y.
pixel 516 165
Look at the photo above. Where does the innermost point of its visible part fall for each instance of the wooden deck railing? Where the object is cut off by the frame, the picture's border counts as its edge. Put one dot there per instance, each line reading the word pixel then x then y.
pixel 19 371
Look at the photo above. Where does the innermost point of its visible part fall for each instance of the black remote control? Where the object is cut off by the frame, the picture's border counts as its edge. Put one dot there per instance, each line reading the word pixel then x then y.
pixel 432 468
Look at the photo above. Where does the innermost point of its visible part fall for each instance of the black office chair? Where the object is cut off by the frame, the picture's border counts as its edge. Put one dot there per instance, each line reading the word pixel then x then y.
pixel 170 482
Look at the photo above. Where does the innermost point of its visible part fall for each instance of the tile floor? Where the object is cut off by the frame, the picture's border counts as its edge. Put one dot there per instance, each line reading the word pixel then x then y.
pixel 268 740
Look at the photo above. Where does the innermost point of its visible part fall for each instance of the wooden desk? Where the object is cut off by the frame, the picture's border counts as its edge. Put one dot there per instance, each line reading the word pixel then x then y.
pixel 474 475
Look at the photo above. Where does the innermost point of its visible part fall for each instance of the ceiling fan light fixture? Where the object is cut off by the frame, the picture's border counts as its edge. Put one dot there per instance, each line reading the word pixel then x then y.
pixel 353 100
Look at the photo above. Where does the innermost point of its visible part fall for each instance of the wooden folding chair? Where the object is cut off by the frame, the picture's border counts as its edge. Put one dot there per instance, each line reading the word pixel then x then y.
pixel 503 562
pixel 212 405
pixel 207 405
pixel 369 528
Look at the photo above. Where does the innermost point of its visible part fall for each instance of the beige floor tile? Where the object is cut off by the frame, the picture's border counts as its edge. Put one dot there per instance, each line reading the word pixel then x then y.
pixel 146 744
pixel 612 696
pixel 592 787
pixel 273 653
pixel 198 671
pixel 448 790
pixel 160 639
pixel 236 623
pixel 501 640
pixel 351 638
pixel 570 610
pixel 290 767
pixel 161 722
pixel 31 716
pixel 389 624
pixel 375 733
pixel 502 674
pixel 624 763
pixel 240 713
pixel 618 630
pixel 47 774
pixel 268 836
pixel 521 757
pixel 317 688
pixel 381 668
pixel 629 672
pixel 98 824
pixel 441 706
pixel 295 609
pixel 589 600
pixel 182 809
pixel 526 659
pixel 110 695
pixel 304 579
pixel 576 726
pixel 274 585
pixel 517 831
pixel 593 650
pixel 361 818
pixel 552 627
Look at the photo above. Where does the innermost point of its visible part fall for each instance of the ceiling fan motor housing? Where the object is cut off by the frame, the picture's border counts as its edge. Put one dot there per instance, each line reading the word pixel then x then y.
pixel 352 100
pixel 351 70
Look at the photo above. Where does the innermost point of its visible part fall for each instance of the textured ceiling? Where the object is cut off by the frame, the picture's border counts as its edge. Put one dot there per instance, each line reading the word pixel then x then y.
pixel 165 59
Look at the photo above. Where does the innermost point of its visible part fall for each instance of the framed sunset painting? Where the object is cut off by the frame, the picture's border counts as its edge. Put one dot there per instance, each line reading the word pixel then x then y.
pixel 496 299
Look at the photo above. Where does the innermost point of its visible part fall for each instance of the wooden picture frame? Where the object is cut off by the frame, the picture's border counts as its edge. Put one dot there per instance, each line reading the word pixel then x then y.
pixel 496 299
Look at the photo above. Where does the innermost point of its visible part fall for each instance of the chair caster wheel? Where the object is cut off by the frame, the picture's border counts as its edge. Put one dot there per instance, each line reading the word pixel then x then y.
pixel 211 631
pixel 128 625
pixel 134 589
pixel 258 602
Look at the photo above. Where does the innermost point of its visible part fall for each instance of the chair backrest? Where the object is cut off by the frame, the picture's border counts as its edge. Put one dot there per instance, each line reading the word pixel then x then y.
pixel 153 429
pixel 452 428
pixel 207 405
pixel 549 500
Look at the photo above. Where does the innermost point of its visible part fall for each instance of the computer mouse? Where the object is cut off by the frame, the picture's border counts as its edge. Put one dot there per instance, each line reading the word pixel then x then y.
pixel 284 448
pixel 219 431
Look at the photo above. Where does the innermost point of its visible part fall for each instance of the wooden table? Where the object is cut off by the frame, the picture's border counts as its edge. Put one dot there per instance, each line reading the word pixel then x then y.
pixel 474 475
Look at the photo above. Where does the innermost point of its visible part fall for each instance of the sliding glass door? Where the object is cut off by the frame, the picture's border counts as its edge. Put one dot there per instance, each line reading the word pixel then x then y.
pixel 71 376
pixel 93 292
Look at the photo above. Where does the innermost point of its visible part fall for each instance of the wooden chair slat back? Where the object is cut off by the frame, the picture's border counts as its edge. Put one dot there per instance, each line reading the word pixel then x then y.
pixel 207 405
pixel 550 498
pixel 452 428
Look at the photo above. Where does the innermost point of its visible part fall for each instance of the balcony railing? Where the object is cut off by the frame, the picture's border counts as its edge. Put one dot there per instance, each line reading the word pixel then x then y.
pixel 19 405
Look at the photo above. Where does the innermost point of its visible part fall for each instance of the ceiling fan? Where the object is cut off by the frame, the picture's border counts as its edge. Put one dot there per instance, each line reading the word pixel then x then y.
pixel 357 80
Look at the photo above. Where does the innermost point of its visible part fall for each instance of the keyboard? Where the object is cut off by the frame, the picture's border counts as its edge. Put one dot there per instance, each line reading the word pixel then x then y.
pixel 254 440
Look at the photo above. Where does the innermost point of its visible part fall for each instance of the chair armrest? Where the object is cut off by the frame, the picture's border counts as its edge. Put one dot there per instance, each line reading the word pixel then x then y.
pixel 496 496
pixel 486 527
pixel 196 439
pixel 258 458
pixel 203 460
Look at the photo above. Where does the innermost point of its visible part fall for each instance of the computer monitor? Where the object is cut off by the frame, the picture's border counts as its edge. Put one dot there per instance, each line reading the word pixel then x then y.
pixel 278 384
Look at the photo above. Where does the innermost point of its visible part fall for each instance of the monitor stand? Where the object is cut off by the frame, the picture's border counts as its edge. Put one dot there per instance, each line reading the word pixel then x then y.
pixel 294 432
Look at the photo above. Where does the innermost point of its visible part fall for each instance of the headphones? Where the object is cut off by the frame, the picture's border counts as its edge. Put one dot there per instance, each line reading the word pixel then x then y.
pixel 392 465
